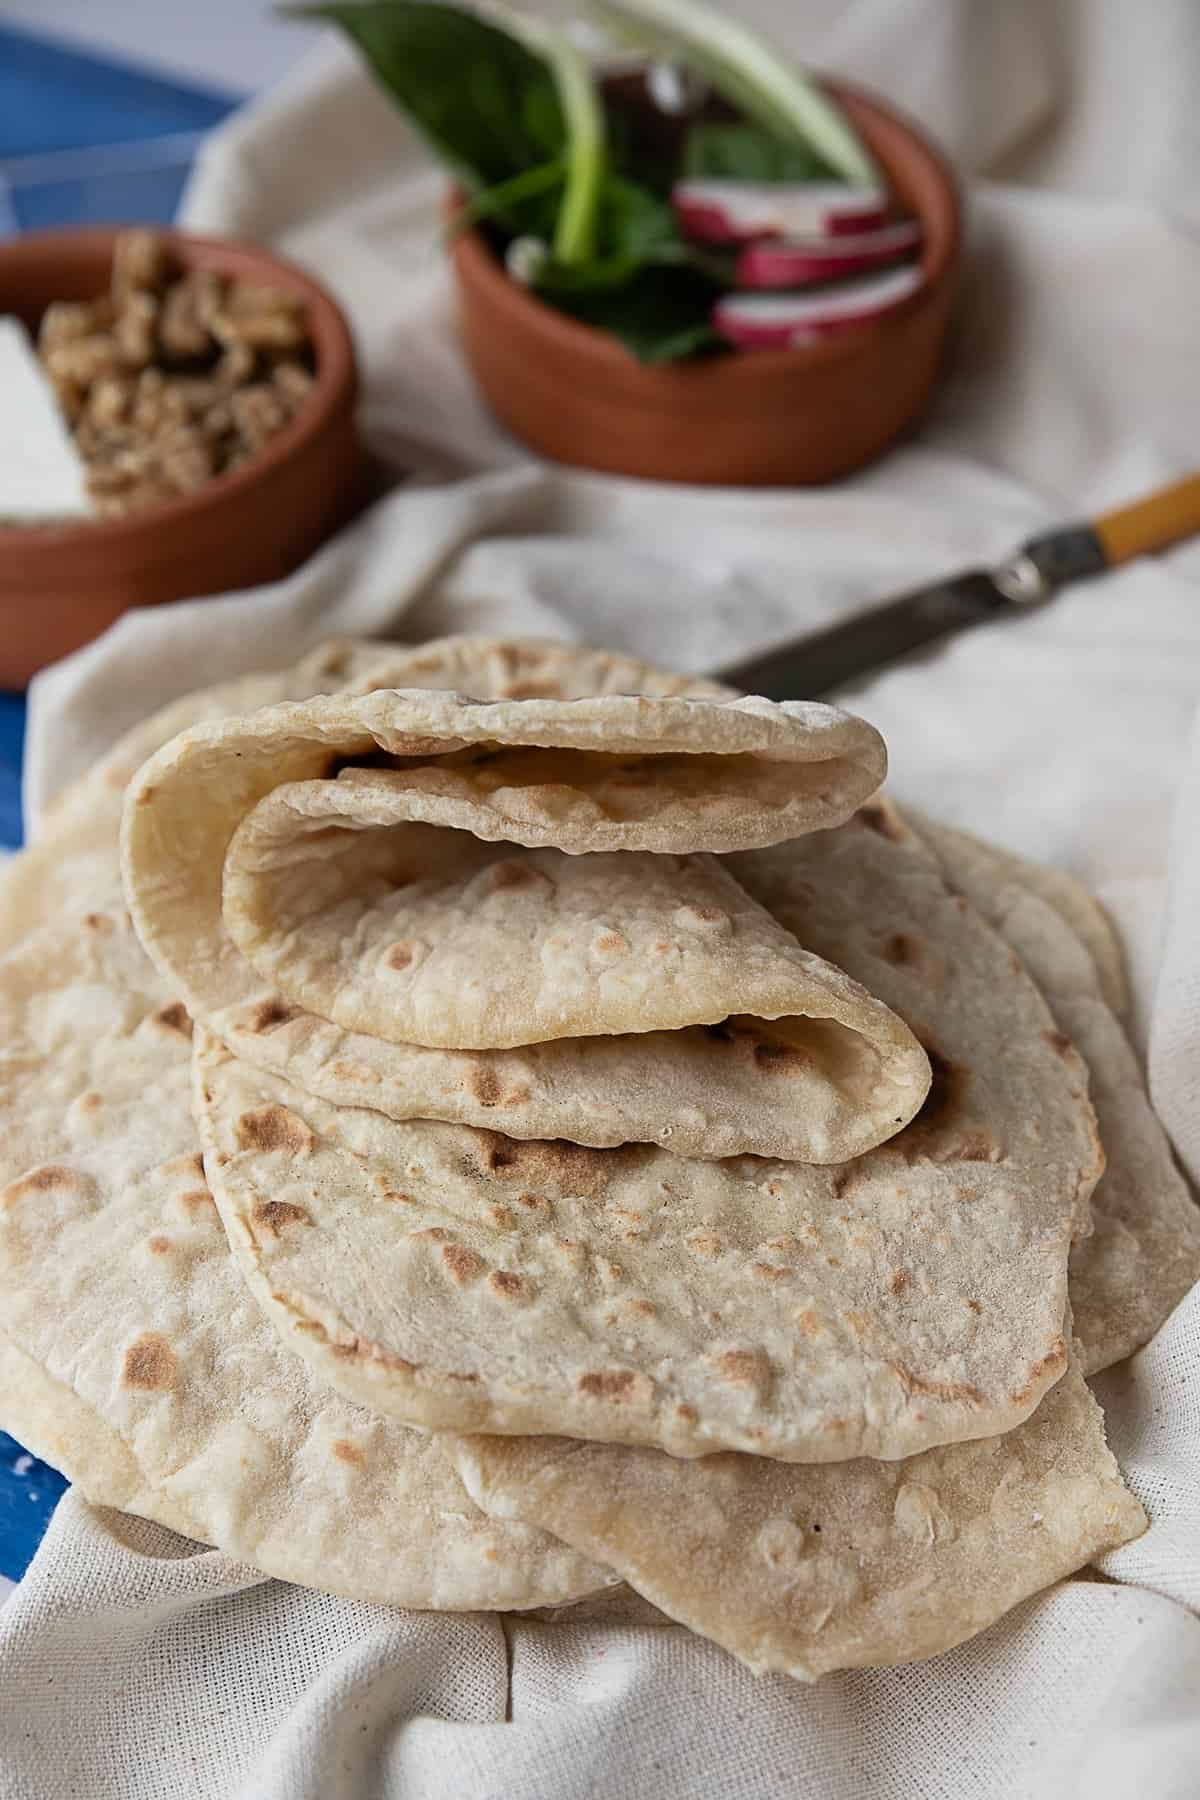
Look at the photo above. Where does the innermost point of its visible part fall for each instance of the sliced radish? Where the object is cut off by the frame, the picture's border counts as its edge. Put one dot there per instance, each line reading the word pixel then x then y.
pixel 737 212
pixel 780 321
pixel 798 262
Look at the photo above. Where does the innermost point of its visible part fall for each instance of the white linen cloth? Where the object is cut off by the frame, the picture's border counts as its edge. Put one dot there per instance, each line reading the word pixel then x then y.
pixel 133 1664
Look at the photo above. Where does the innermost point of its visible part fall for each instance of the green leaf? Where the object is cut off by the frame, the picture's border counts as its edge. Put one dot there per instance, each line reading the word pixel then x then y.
pixel 661 315
pixel 750 73
pixel 635 230
pixel 493 103
pixel 557 279
pixel 748 153
pixel 516 115
pixel 575 229
pixel 485 102
pixel 633 221
pixel 509 198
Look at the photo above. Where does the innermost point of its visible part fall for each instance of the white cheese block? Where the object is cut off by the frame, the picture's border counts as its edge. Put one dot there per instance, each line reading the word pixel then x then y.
pixel 41 475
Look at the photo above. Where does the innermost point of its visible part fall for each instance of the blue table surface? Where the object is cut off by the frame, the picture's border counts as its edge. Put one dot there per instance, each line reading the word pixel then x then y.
pixel 55 97
pixel 12 743
pixel 82 140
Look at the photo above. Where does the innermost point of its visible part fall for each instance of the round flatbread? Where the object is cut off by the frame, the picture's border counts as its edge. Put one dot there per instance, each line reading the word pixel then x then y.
pixel 430 939
pixel 1143 1252
pixel 915 1296
pixel 135 1357
pixel 806 1570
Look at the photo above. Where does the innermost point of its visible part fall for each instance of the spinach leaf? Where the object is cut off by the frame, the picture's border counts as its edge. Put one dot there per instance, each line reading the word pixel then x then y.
pixel 484 102
pixel 745 152
pixel 515 116
pixel 511 198
pixel 661 314
pixel 494 103
pixel 634 222
pixel 637 232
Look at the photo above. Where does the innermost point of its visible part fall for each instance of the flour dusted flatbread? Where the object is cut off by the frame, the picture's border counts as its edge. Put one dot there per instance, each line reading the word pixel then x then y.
pixel 1143 1253
pixel 1069 1478
pixel 602 1091
pixel 133 1356
pixel 806 1570
pixel 914 1296
pixel 73 843
pixel 345 930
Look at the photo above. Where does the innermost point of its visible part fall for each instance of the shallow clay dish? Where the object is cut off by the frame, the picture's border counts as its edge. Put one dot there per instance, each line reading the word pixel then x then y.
pixel 63 584
pixel 766 417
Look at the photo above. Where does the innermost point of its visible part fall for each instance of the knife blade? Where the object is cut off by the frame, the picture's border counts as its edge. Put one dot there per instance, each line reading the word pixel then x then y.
pixel 813 665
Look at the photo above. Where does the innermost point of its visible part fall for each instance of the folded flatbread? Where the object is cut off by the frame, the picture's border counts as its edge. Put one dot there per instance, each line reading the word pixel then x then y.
pixel 509 925
pixel 457 1279
pixel 963 1545
pixel 72 842
pixel 226 1453
pixel 811 1569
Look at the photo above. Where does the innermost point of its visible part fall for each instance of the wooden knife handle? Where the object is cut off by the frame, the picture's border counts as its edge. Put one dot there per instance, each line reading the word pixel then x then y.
pixel 1151 524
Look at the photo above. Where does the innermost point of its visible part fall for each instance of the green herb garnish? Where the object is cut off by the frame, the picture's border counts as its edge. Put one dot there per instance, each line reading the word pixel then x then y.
pixel 513 109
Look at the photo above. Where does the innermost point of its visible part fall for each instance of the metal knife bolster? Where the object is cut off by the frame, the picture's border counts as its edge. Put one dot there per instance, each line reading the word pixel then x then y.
pixel 853 647
pixel 1046 563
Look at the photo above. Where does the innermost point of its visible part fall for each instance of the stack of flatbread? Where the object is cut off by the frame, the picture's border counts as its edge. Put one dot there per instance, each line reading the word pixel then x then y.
pixel 489 1123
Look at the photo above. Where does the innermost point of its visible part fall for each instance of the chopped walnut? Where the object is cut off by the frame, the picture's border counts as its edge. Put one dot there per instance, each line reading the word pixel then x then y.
pixel 236 366
pixel 137 460
pixel 66 321
pixel 258 413
pixel 140 265
pixel 109 478
pixel 184 332
pixel 84 360
pixel 89 439
pixel 293 382
pixel 218 420
pixel 185 398
pixel 188 465
pixel 134 498
pixel 101 447
pixel 263 318
pixel 109 401
pixel 149 403
pixel 175 376
pixel 136 330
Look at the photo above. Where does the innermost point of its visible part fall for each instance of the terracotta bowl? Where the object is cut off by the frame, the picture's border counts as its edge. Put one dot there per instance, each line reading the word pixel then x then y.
pixel 767 417
pixel 61 585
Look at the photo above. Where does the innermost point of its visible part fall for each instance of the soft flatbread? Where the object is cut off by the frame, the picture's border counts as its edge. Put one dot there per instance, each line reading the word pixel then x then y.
pixel 72 843
pixel 805 1570
pixel 1143 1253
pixel 133 1357
pixel 502 893
pixel 1078 909
pixel 457 1279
